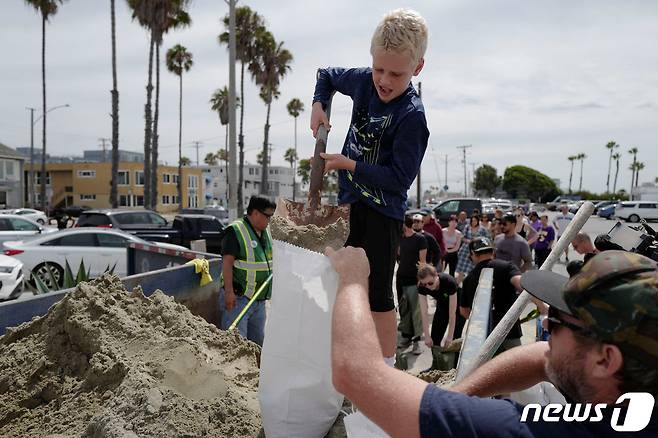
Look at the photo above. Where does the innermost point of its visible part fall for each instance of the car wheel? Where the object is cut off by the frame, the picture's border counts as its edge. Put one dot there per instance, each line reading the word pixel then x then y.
pixel 43 271
pixel 634 218
pixel 41 222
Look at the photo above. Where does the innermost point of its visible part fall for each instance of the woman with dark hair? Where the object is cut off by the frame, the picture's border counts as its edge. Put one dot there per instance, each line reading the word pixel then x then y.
pixel 443 288
pixel 452 238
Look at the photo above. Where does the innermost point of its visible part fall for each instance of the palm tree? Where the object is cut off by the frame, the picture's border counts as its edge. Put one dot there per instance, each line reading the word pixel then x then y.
pixel 179 60
pixel 210 159
pixel 270 65
pixel 222 155
pixel 572 158
pixel 581 157
pixel 219 103
pixel 633 151
pixel 185 161
pixel 247 24
pixel 46 8
pixel 638 166
pixel 611 147
pixel 304 170
pixel 295 107
pixel 291 157
pixel 114 198
pixel 616 156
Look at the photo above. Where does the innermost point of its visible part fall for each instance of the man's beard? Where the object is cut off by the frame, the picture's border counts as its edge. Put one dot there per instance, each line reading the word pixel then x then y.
pixel 568 376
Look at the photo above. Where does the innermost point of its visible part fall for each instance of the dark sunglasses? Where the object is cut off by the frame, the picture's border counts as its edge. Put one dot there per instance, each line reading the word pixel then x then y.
pixel 428 284
pixel 266 214
pixel 553 320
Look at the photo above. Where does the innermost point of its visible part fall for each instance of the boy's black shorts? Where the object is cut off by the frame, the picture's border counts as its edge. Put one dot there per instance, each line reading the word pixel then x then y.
pixel 379 236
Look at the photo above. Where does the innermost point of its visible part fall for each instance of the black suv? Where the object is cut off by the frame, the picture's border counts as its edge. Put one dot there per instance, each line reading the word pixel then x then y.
pixel 447 208
pixel 122 219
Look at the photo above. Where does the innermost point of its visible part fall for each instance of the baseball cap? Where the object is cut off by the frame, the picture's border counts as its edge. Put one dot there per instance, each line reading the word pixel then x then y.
pixel 480 244
pixel 417 217
pixel 615 296
pixel 425 211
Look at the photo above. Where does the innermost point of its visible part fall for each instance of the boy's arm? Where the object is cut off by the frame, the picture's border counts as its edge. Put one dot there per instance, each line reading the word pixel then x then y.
pixel 343 80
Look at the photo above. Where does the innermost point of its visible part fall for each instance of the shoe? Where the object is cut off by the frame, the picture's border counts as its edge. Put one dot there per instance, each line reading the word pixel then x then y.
pixel 404 342
pixel 416 349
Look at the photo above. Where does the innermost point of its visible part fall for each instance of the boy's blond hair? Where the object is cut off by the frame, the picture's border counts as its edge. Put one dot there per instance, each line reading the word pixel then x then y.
pixel 401 30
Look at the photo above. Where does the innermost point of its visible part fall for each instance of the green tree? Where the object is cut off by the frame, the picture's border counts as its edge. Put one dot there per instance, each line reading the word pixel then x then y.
pixel 46 8
pixel 185 161
pixel 219 103
pixel 616 156
pixel 210 159
pixel 611 146
pixel 581 157
pixel 524 182
pixel 486 179
pixel 247 25
pixel 572 158
pixel 179 60
pixel 295 108
pixel 114 198
pixel 268 68
pixel 304 170
pixel 633 151
pixel 291 157
pixel 638 166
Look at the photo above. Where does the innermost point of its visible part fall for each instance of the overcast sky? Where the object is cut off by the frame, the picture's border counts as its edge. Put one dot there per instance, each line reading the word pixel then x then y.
pixel 522 82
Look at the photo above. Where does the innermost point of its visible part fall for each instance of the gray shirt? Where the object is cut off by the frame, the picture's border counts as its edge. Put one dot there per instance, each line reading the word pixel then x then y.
pixel 513 249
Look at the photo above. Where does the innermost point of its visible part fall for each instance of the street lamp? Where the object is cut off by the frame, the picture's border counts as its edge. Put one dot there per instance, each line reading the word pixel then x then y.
pixel 32 123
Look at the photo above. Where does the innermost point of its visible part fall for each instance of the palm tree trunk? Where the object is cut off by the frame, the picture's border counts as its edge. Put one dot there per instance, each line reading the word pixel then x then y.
pixel 226 162
pixel 179 186
pixel 43 92
pixel 264 176
pixel 147 128
pixel 241 145
pixel 632 178
pixel 570 176
pixel 154 148
pixel 115 116
pixel 607 182
pixel 294 166
pixel 580 186
pixel 614 187
pixel 637 177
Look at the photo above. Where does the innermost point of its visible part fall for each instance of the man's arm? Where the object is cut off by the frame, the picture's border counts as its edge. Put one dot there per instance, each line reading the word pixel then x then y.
pixel 452 319
pixel 422 299
pixel 389 397
pixel 514 370
pixel 422 256
pixel 227 273
pixel 526 257
pixel 532 234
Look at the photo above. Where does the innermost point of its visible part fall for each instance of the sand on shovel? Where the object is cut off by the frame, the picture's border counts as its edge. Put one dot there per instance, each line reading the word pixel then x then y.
pixel 106 363
pixel 310 236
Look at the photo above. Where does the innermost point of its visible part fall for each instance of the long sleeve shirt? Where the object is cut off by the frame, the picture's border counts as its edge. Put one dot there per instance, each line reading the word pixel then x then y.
pixel 387 140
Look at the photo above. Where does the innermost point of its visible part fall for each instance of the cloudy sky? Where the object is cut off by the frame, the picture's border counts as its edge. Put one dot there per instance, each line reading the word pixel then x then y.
pixel 522 82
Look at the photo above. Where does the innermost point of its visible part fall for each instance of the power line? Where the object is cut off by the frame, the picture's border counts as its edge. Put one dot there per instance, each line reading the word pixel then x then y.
pixel 197 145
pixel 103 146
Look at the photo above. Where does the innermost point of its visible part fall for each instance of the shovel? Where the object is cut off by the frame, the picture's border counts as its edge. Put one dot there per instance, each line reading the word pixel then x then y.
pixel 313 212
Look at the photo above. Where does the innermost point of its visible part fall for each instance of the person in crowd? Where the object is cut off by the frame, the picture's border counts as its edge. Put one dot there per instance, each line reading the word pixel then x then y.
pixel 544 242
pixel 412 251
pixel 433 249
pixel 452 238
pixel 464 263
pixel 443 288
pixel 498 213
pixel 431 226
pixel 601 347
pixel 561 222
pixel 485 222
pixel 512 247
pixel 534 221
pixel 382 153
pixel 523 227
pixel 494 229
pixel 582 244
pixel 462 221
pixel 246 266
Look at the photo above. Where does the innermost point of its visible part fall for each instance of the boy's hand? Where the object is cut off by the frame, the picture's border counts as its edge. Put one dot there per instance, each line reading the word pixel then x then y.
pixel 318 117
pixel 351 264
pixel 337 162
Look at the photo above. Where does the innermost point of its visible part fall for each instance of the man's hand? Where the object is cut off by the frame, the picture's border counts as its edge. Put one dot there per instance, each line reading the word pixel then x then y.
pixel 428 341
pixel 337 162
pixel 446 341
pixel 229 299
pixel 351 264
pixel 318 117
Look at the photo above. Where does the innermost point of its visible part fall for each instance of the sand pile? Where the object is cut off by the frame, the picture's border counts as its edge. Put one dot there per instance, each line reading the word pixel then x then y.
pixel 311 236
pixel 105 363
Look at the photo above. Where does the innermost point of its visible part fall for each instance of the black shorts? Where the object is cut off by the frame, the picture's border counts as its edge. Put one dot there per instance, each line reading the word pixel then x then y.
pixel 379 236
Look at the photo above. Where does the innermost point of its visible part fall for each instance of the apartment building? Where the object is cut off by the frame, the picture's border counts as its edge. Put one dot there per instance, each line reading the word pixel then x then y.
pixel 89 184
pixel 11 178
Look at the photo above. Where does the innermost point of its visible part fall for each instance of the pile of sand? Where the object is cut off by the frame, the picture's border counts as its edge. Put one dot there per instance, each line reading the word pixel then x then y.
pixel 311 237
pixel 105 363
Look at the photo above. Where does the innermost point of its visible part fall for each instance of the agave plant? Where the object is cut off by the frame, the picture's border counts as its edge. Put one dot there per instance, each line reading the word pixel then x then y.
pixel 53 283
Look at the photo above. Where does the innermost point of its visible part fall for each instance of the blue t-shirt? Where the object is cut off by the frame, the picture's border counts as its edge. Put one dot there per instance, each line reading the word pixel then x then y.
pixel 387 140
pixel 446 413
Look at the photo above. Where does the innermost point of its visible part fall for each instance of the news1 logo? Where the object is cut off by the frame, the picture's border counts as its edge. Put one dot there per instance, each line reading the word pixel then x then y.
pixel 638 405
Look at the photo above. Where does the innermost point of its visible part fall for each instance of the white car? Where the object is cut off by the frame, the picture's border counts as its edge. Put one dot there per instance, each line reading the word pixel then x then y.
pixel 99 248
pixel 11 278
pixel 14 227
pixel 633 211
pixel 36 215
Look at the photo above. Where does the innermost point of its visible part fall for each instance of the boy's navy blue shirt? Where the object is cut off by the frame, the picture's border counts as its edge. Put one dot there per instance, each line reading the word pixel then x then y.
pixel 387 140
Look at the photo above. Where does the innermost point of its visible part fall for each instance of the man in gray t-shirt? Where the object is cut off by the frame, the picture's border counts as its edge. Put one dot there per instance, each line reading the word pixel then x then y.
pixel 512 247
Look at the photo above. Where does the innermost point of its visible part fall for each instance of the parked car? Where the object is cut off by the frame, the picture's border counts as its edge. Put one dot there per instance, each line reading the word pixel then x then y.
pixel 120 218
pixel 575 206
pixel 608 211
pixel 562 199
pixel 30 213
pixel 445 209
pixel 633 211
pixel 11 277
pixel 14 227
pixel 602 204
pixel 99 248
pixel 218 211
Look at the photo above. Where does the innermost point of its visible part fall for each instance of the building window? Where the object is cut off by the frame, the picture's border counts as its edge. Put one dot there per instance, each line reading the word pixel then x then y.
pixel 166 178
pixel 139 177
pixel 138 200
pixel 124 200
pixel 165 199
pixel 86 174
pixel 87 197
pixel 174 178
pixel 123 178
pixel 192 181
pixel 9 168
pixel 37 176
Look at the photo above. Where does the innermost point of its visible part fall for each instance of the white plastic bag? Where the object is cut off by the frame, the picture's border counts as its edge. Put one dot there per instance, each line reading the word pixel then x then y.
pixel 296 395
pixel 358 425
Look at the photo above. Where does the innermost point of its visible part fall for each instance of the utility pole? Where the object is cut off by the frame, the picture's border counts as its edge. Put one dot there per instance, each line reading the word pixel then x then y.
pixel 232 155
pixel 104 142
pixel 446 173
pixel 419 192
pixel 197 145
pixel 31 174
pixel 463 148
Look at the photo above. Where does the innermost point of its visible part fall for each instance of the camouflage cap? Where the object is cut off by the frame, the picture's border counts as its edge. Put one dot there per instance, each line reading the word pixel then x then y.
pixel 615 295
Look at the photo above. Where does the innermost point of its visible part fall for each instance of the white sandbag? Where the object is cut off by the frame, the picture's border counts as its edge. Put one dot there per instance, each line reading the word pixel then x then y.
pixel 296 395
pixel 358 425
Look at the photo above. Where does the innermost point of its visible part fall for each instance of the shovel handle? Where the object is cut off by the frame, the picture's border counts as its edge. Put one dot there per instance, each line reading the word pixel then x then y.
pixel 317 165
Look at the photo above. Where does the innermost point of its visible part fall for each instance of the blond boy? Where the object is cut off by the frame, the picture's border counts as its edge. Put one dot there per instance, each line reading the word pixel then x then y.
pixel 382 153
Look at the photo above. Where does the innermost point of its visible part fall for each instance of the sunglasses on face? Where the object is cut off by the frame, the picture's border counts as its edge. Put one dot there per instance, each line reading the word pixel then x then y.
pixel 553 320
pixel 427 284
pixel 267 215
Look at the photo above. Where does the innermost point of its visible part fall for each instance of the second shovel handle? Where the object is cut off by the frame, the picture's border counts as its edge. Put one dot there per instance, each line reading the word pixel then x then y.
pixel 317 165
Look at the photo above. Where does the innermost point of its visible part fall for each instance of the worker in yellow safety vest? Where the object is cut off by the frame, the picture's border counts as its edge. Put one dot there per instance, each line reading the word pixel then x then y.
pixel 247 263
